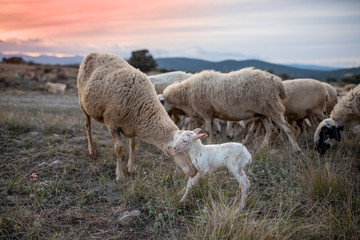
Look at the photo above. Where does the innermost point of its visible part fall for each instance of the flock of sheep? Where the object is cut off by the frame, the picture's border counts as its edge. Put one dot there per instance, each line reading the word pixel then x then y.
pixel 126 100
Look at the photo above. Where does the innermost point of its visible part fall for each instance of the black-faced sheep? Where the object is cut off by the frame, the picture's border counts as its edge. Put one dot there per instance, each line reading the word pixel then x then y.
pixel 237 95
pixel 345 116
pixel 114 93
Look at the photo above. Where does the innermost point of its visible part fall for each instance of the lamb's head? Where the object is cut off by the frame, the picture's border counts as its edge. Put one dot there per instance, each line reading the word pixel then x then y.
pixel 186 139
pixel 326 134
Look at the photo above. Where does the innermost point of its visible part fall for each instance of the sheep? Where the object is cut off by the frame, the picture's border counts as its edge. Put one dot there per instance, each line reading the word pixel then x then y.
pixel 55 87
pixel 306 97
pixel 210 158
pixel 112 92
pixel 161 81
pixel 344 116
pixel 234 96
pixel 332 92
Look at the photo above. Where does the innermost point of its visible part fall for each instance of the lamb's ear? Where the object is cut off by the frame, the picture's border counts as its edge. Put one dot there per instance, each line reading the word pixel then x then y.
pixel 197 130
pixel 202 135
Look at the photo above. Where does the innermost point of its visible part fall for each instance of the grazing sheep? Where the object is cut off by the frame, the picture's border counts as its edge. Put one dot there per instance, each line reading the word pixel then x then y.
pixel 55 87
pixel 306 97
pixel 210 158
pixel 114 93
pixel 161 81
pixel 234 128
pixel 332 92
pixel 234 96
pixel 344 116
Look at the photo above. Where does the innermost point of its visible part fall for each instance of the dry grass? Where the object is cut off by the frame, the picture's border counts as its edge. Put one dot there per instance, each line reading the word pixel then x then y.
pixel 291 196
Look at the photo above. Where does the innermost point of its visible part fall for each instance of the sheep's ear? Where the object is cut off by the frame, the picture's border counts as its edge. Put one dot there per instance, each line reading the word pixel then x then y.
pixel 202 135
pixel 197 130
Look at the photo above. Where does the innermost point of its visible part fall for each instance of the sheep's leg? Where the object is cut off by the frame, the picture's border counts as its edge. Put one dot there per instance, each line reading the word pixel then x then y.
pixel 209 128
pixel 119 152
pixel 249 132
pixel 91 147
pixel 131 163
pixel 286 128
pixel 268 132
pixel 244 183
pixel 191 183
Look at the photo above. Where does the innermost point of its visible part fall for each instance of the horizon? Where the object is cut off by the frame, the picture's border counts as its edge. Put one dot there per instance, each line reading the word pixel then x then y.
pixel 322 33
pixel 294 65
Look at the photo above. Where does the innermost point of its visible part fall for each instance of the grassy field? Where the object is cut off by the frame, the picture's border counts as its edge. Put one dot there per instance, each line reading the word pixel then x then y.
pixel 50 188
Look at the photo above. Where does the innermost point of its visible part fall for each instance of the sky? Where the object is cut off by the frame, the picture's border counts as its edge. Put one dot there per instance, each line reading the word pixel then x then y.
pixel 318 32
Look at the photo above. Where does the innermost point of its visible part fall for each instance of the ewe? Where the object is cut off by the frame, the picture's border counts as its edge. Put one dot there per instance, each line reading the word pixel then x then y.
pixel 210 158
pixel 114 93
pixel 344 116
pixel 234 96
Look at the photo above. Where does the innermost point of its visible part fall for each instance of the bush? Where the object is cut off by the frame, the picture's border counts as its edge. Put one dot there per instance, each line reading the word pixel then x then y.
pixel 355 78
pixel 15 60
pixel 142 60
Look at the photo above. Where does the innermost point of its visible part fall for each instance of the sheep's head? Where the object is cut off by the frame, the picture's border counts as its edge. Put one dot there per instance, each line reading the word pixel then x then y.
pixel 165 103
pixel 326 134
pixel 186 138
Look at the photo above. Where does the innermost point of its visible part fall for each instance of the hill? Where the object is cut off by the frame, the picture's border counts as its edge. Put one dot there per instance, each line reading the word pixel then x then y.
pixel 196 65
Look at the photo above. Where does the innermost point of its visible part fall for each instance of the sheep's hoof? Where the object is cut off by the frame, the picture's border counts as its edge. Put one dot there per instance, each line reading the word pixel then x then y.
pixel 119 176
pixel 92 152
pixel 131 169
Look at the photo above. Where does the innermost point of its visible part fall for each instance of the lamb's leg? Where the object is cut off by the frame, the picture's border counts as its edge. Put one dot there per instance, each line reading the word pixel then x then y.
pixel 244 183
pixel 191 183
pixel 91 147
pixel 131 163
pixel 209 128
pixel 119 152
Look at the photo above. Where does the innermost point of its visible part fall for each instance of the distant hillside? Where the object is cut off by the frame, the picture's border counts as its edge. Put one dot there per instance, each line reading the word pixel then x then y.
pixel 196 65
pixel 43 59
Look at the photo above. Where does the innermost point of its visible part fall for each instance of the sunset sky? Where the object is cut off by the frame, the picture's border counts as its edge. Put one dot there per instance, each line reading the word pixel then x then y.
pixel 321 32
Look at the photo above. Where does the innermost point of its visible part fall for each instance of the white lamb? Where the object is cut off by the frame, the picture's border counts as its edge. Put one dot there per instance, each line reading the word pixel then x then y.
pixel 210 158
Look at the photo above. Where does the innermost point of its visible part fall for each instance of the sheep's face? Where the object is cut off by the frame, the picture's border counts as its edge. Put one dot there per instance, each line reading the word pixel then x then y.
pixel 232 128
pixel 165 103
pixel 186 139
pixel 327 134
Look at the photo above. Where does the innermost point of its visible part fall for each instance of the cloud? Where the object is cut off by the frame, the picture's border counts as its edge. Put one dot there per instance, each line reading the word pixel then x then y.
pixel 281 30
